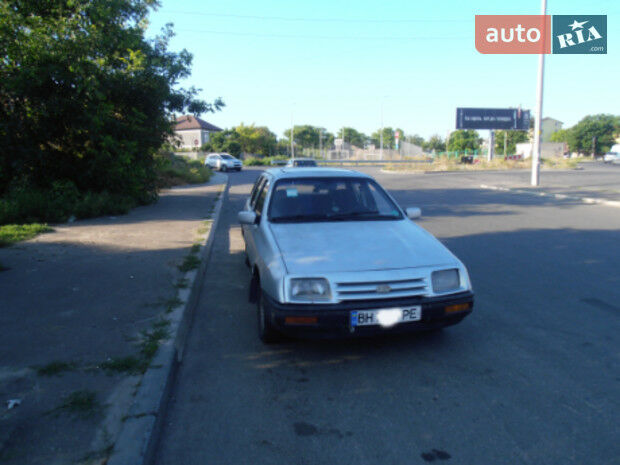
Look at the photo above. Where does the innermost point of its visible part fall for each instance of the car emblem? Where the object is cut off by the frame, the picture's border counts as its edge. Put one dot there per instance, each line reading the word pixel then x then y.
pixel 383 289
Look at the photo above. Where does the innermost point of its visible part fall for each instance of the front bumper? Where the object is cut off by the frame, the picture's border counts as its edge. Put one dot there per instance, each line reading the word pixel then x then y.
pixel 333 320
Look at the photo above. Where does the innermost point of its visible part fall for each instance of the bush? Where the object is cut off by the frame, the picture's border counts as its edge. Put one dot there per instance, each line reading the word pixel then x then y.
pixel 173 170
pixel 264 161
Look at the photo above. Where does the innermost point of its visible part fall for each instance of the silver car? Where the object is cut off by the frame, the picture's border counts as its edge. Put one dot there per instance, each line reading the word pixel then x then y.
pixel 332 254
pixel 223 162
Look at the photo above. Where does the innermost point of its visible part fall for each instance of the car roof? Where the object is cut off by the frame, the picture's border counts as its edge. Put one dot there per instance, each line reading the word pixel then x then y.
pixel 314 172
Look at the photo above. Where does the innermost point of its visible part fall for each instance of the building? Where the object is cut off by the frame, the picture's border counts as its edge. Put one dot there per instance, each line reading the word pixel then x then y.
pixel 191 132
pixel 548 127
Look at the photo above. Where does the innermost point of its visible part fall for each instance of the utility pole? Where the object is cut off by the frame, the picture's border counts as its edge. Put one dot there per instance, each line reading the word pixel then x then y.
pixel 381 134
pixel 491 144
pixel 320 143
pixel 539 104
pixel 292 137
pixel 505 142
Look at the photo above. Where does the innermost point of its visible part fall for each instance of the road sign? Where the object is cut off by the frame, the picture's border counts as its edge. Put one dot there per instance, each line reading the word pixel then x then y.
pixel 493 118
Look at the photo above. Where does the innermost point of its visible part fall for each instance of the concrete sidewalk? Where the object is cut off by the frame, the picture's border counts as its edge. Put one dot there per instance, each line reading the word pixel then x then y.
pixel 77 311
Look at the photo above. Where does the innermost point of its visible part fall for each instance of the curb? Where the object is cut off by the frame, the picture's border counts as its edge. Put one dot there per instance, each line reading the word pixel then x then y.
pixel 138 437
pixel 587 200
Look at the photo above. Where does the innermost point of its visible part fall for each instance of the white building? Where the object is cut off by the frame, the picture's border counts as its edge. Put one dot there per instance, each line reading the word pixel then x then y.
pixel 548 127
pixel 191 132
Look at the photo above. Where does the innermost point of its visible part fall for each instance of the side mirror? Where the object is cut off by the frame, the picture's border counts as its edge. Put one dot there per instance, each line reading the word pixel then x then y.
pixel 413 213
pixel 247 217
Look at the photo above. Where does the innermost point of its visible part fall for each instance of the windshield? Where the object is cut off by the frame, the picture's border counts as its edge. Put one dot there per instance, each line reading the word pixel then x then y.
pixel 330 199
pixel 225 156
pixel 305 163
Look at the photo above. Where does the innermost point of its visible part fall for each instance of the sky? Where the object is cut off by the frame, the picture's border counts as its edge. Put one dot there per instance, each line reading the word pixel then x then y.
pixel 354 63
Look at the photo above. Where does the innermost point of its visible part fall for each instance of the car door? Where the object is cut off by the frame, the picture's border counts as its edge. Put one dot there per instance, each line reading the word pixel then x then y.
pixel 251 233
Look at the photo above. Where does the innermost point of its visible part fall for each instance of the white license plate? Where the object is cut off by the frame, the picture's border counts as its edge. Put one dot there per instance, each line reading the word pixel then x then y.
pixel 385 317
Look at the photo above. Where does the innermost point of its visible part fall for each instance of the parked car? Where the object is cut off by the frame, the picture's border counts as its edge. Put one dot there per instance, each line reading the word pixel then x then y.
pixel 612 157
pixel 332 254
pixel 301 162
pixel 223 162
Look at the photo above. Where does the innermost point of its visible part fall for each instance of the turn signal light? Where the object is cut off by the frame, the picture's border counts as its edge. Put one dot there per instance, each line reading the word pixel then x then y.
pixel 300 320
pixel 457 308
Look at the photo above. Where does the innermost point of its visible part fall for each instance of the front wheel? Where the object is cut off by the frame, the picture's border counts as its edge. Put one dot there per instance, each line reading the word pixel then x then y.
pixel 266 332
pixel 223 168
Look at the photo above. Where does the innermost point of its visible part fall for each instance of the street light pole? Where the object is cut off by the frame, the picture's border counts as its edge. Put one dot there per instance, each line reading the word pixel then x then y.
pixel 539 102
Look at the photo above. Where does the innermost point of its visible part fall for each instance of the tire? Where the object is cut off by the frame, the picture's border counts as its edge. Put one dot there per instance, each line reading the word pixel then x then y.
pixel 223 168
pixel 266 332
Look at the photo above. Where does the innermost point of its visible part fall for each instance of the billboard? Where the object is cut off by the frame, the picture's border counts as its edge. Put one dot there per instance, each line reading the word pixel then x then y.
pixel 493 118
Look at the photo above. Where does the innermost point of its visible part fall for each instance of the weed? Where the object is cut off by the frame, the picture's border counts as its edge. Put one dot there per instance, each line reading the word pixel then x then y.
pixel 171 304
pixel 195 249
pixel 182 283
pixel 131 364
pixel 55 368
pixel 191 262
pixel 152 339
pixel 83 403
pixel 11 233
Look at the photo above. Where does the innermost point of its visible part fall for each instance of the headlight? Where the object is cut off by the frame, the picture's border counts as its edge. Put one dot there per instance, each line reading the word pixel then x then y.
pixel 445 280
pixel 309 289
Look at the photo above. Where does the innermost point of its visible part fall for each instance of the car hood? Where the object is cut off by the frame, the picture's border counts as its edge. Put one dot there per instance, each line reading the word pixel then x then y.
pixel 309 248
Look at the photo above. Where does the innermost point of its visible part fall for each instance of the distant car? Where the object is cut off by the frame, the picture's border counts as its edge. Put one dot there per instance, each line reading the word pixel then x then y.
pixel 332 254
pixel 612 157
pixel 277 162
pixel 301 162
pixel 223 162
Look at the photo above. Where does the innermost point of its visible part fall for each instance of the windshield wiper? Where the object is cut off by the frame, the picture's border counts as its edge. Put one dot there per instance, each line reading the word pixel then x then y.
pixel 351 216
pixel 299 218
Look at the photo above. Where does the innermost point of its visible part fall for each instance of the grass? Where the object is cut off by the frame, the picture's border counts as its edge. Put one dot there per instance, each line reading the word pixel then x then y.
pixel 130 364
pixel 150 341
pixel 83 403
pixel 264 161
pixel 11 233
pixel 173 170
pixel 191 262
pixel 182 283
pixel 452 164
pixel 171 304
pixel 55 368
pixel 206 226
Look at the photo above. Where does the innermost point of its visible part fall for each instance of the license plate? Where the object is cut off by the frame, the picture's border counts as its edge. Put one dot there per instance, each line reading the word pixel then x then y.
pixel 385 317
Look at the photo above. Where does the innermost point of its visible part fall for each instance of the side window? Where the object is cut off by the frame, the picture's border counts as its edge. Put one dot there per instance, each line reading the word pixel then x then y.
pixel 262 195
pixel 255 190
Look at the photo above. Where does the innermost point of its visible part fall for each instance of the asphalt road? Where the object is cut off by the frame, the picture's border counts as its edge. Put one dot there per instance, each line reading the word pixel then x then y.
pixel 531 377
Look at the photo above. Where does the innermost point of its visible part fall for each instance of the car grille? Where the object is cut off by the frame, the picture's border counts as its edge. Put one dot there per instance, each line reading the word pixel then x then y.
pixel 381 289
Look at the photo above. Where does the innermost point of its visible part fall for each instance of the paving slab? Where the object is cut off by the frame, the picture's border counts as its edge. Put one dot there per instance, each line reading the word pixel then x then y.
pixel 81 296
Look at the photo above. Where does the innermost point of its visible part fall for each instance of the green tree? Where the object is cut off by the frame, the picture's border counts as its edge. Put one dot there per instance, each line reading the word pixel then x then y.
pixel 512 139
pixel 388 138
pixel 435 144
pixel 464 140
pixel 416 139
pixel 85 98
pixel 596 132
pixel 224 141
pixel 256 139
pixel 353 137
